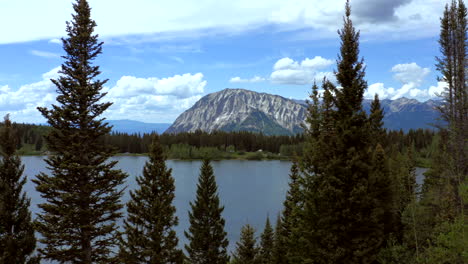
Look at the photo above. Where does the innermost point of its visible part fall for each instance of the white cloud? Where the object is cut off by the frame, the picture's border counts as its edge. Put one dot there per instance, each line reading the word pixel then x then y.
pixel 55 41
pixel 151 19
pixel 412 77
pixel 181 86
pixel 410 73
pixel 22 103
pixel 44 54
pixel 288 71
pixel 255 79
pixel 146 99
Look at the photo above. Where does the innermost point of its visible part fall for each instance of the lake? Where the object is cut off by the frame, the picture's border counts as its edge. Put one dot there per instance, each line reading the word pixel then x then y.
pixel 249 190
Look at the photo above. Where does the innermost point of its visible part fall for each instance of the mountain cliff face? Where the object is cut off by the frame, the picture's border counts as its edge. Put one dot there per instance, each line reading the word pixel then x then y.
pixel 239 109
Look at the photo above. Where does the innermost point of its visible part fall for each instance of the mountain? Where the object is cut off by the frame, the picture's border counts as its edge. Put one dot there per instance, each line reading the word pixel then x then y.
pixel 133 127
pixel 239 109
pixel 406 114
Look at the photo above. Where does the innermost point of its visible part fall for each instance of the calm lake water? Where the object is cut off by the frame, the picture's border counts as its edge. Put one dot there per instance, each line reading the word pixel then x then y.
pixel 249 190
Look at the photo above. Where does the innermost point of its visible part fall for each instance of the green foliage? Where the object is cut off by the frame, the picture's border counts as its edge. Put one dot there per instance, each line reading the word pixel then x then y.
pixel 450 244
pixel 81 204
pixel 206 235
pixel 345 187
pixel 247 251
pixel 395 253
pixel 376 119
pixel 267 244
pixel 289 230
pixel 17 240
pixel 149 235
pixel 280 247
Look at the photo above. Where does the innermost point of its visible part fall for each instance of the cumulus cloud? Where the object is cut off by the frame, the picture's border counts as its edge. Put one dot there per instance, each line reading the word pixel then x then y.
pixel 255 79
pixel 411 77
pixel 288 71
pixel 22 103
pixel 146 99
pixel 181 86
pixel 410 73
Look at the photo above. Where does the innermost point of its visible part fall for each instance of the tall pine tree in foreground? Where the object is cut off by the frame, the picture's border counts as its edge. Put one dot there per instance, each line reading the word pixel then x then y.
pixel 149 234
pixel 452 64
pixel 288 229
pixel 344 208
pixel 17 240
pixel 280 247
pixel 77 221
pixel 247 251
pixel 206 235
pixel 267 241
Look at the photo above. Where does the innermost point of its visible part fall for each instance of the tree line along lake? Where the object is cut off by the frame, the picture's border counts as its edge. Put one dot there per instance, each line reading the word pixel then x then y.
pixel 249 190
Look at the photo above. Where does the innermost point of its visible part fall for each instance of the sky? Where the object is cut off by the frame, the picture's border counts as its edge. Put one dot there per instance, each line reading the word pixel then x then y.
pixel 162 56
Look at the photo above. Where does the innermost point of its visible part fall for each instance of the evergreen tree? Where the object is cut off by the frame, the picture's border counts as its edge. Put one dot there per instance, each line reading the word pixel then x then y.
pixel 376 120
pixel 17 240
pixel 380 177
pixel 82 197
pixel 38 146
pixel 267 244
pixel 293 205
pixel 280 248
pixel 452 64
pixel 206 235
pixel 247 251
pixel 149 233
pixel 343 218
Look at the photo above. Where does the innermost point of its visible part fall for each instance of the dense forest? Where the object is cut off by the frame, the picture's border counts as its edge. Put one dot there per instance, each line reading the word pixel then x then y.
pixel 352 196
pixel 222 145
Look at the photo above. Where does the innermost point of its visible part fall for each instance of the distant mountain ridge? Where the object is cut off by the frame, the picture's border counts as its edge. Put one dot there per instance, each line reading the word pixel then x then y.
pixel 135 127
pixel 244 110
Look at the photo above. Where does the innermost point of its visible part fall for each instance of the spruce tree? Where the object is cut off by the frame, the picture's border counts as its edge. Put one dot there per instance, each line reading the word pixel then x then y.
pixel 293 205
pixel 267 244
pixel 280 247
pixel 247 251
pixel 82 193
pixel 149 235
pixel 207 238
pixel 452 64
pixel 17 240
pixel 343 218
pixel 376 121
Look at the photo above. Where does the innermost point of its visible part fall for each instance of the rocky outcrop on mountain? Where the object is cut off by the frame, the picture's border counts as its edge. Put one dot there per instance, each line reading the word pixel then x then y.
pixel 239 109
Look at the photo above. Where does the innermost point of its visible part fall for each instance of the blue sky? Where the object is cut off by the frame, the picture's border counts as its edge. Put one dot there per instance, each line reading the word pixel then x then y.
pixel 162 56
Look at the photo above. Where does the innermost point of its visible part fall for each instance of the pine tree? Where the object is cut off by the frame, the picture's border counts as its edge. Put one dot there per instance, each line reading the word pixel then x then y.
pixel 77 221
pixel 17 240
pixel 267 244
pixel 380 178
pixel 247 251
pixel 376 120
pixel 293 205
pixel 452 65
pixel 343 214
pixel 280 248
pixel 149 233
pixel 207 238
